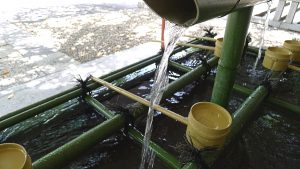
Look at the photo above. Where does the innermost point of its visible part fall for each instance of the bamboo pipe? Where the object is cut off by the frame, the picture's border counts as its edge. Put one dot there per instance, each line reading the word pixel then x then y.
pixel 294 68
pixel 196 46
pixel 232 50
pixel 143 101
pixel 192 45
pixel 162 154
pixel 55 100
pixel 204 38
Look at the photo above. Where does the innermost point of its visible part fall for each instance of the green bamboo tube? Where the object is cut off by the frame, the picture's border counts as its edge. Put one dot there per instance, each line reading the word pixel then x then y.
pixel 241 117
pixel 143 101
pixel 191 45
pixel 246 91
pixel 270 100
pixel 59 98
pixel 34 109
pixel 196 46
pixel 190 166
pixel 64 154
pixel 245 112
pixel 234 40
pixel 179 67
pixel 181 81
pixel 166 157
pixel 188 77
pixel 201 38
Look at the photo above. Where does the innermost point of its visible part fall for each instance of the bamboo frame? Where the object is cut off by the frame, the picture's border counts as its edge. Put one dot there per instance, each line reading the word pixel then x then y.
pixel 295 68
pixel 246 91
pixel 165 156
pixel 143 101
pixel 202 38
pixel 192 45
pixel 53 101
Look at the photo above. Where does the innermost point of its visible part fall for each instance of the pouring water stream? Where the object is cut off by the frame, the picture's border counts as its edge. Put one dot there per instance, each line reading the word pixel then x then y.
pixel 262 35
pixel 173 33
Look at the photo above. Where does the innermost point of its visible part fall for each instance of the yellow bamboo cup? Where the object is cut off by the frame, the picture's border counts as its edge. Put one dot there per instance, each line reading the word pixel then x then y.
pixel 208 125
pixel 294 47
pixel 14 156
pixel 218 48
pixel 277 58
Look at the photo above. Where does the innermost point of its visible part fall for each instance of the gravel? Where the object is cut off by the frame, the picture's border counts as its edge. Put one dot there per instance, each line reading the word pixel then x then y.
pixel 86 32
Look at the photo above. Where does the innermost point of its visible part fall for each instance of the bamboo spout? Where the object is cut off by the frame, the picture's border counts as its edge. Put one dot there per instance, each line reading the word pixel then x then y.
pixel 143 101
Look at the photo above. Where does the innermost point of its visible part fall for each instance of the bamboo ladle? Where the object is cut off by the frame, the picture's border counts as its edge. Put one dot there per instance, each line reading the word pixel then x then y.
pixel 143 101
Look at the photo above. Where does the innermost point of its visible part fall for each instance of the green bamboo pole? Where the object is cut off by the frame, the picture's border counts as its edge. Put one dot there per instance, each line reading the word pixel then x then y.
pixel 59 100
pixel 270 100
pixel 166 157
pixel 162 154
pixel 76 91
pixel 190 166
pixel 99 107
pixel 240 118
pixel 245 112
pixel 64 154
pixel 188 77
pixel 234 40
pixel 48 103
pixel 180 82
pixel 179 67
pixel 246 91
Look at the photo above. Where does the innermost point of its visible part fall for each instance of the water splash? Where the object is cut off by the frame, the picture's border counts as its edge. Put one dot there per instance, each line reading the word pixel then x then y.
pixel 161 80
pixel 262 35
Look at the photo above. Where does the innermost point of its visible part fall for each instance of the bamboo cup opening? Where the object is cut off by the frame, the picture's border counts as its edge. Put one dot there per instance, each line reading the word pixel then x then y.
pixel 211 116
pixel 279 52
pixel 14 156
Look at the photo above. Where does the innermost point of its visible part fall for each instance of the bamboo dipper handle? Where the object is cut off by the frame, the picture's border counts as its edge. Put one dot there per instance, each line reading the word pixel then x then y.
pixel 294 68
pixel 143 101
pixel 196 46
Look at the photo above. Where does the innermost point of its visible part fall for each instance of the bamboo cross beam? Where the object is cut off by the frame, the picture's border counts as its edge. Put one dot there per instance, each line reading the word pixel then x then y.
pixel 203 37
pixel 192 45
pixel 141 100
pixel 295 68
pixel 196 46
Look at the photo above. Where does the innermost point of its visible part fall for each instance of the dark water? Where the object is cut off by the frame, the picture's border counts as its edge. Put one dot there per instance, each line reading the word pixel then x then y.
pixel 271 140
